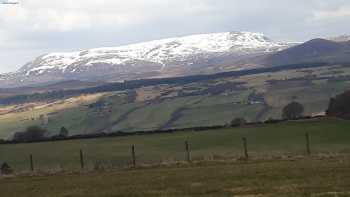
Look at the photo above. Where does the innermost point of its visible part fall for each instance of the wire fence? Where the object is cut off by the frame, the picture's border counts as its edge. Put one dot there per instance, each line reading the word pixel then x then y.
pixel 57 158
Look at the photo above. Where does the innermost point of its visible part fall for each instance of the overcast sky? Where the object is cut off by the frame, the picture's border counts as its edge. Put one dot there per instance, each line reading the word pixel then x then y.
pixel 35 27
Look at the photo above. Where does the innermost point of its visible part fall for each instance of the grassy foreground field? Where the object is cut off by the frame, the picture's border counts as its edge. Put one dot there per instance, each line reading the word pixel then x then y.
pixel 323 177
pixel 328 136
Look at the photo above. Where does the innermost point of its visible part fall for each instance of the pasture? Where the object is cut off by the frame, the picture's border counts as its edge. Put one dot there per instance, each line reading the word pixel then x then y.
pixel 321 177
pixel 327 136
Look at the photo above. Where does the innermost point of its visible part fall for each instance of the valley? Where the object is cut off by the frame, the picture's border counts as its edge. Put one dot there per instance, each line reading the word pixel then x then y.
pixel 175 98
pixel 256 96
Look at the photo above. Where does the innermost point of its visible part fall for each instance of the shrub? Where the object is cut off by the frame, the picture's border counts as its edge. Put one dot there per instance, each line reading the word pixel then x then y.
pixel 5 168
pixel 293 110
pixel 32 133
pixel 64 132
pixel 340 106
pixel 238 122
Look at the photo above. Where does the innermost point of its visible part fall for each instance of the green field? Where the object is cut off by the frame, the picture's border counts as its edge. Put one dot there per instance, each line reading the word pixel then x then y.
pixel 304 177
pixel 328 136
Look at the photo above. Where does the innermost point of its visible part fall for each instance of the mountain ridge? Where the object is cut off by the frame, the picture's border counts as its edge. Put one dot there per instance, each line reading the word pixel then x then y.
pixel 194 54
pixel 163 52
pixel 315 50
pixel 180 56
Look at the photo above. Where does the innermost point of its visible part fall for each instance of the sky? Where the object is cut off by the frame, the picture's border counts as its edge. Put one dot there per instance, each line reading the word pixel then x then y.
pixel 36 27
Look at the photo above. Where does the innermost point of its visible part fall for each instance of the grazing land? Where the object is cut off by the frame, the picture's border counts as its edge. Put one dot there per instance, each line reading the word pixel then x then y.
pixel 327 136
pixel 314 176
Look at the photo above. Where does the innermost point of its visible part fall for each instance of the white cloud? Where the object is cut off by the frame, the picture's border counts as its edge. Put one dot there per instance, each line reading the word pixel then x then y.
pixel 38 15
pixel 331 15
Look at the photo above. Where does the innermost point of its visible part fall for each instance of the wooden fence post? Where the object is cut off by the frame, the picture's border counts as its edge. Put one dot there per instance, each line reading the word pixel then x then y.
pixel 133 156
pixel 188 154
pixel 82 165
pixel 245 147
pixel 307 138
pixel 31 162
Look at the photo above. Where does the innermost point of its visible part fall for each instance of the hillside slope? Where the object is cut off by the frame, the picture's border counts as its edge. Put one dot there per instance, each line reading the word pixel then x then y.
pixel 207 102
pixel 317 50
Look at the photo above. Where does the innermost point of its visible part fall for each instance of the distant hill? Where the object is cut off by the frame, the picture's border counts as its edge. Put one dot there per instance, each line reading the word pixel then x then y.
pixel 317 50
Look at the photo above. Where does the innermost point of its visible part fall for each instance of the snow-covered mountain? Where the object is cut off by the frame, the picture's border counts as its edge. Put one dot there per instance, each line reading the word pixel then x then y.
pixel 164 52
pixel 195 54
